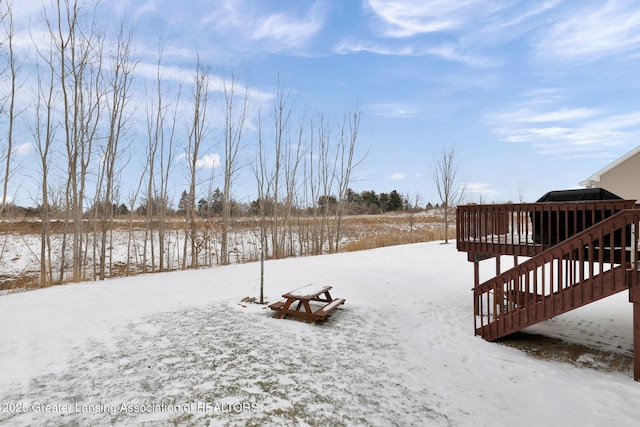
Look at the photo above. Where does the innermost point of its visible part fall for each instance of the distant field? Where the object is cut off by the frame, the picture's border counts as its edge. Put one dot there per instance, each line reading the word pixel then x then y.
pixel 133 247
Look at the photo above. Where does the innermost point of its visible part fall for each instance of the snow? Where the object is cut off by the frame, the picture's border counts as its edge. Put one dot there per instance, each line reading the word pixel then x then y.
pixel 308 291
pixel 182 349
pixel 333 304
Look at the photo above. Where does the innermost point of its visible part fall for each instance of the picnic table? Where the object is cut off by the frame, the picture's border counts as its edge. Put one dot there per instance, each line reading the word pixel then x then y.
pixel 312 302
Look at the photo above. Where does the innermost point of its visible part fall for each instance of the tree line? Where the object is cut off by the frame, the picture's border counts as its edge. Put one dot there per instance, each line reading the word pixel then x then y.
pixel 367 202
pixel 109 142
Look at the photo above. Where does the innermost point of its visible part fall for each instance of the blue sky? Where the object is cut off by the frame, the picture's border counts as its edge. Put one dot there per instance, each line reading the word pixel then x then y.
pixel 535 95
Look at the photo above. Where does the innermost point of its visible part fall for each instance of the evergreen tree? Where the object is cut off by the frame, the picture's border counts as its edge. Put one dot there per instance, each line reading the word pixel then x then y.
pixel 395 201
pixel 383 201
pixel 216 202
pixel 183 203
pixel 370 198
pixel 203 207
pixel 327 202
pixel 353 197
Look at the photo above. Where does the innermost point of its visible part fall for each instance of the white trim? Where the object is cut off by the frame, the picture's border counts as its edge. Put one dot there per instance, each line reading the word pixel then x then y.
pixel 595 178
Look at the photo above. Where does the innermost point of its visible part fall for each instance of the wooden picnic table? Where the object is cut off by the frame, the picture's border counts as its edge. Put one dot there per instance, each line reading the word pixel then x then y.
pixel 303 302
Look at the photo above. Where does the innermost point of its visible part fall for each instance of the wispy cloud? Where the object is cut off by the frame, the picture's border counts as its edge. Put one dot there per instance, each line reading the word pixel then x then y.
pixel 398 176
pixel 592 33
pixel 23 149
pixel 393 110
pixel 465 30
pixel 446 51
pixel 209 161
pixel 480 188
pixel 406 18
pixel 471 19
pixel 452 52
pixel 289 30
pixel 179 75
pixel 149 6
pixel 185 76
pixel 351 46
pixel 565 131
pixel 529 115
pixel 246 22
pixel 244 25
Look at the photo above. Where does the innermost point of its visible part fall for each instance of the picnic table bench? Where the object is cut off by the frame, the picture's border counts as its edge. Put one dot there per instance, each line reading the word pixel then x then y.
pixel 303 302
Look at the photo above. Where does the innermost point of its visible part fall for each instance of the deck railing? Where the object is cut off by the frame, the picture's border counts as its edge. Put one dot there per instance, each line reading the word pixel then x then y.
pixel 527 228
pixel 592 264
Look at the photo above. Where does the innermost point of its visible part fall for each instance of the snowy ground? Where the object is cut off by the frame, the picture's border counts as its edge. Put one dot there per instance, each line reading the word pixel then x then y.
pixel 181 349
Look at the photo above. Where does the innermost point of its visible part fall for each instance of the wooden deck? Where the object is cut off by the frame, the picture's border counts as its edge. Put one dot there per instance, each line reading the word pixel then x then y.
pixel 526 229
pixel 575 253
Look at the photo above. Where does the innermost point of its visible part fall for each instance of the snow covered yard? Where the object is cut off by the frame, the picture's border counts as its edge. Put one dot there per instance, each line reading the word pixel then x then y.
pixel 181 349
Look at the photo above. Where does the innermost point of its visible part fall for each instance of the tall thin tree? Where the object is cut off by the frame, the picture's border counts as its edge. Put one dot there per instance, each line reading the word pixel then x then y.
pixel 235 113
pixel 10 110
pixel 346 163
pixel 120 79
pixel 77 66
pixel 197 132
pixel 43 131
pixel 445 177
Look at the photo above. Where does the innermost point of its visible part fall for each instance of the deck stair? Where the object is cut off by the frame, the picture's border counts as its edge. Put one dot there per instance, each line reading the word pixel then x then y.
pixel 561 274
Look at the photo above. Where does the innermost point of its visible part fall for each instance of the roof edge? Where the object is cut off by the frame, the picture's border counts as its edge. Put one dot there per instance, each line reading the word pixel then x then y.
pixel 596 176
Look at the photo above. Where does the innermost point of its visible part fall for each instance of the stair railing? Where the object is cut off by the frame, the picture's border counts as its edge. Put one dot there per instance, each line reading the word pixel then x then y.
pixel 587 266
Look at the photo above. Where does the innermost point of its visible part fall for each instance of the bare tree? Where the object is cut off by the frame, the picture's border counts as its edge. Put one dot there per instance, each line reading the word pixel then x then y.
pixel 318 180
pixel 133 199
pixel 293 159
pixel 326 175
pixel 43 132
pixel 161 131
pixel 77 66
pixel 235 112
pixel 119 83
pixel 264 196
pixel 281 117
pixel 167 153
pixel 346 162
pixel 197 132
pixel 521 192
pixel 9 111
pixel 412 205
pixel 312 189
pixel 150 205
pixel 445 176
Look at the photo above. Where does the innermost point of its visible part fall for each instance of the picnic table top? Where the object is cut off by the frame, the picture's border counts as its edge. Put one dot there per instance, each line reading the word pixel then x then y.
pixel 307 292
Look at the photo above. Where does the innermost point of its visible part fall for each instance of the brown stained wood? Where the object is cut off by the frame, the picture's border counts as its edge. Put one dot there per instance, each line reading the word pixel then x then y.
pixel 529 313
pixel 636 341
pixel 301 299
pixel 486 229
pixel 580 267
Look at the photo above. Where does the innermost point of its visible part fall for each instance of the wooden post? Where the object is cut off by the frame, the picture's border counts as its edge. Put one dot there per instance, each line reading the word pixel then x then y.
pixel 634 298
pixel 636 339
pixel 476 273
pixel 476 283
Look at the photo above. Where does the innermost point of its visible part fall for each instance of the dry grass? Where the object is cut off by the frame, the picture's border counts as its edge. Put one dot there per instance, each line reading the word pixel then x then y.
pixel 393 238
pixel 25 282
pixel 376 231
pixel 359 232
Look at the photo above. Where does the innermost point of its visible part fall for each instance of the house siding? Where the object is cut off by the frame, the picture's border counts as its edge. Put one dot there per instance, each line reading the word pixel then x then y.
pixel 624 179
